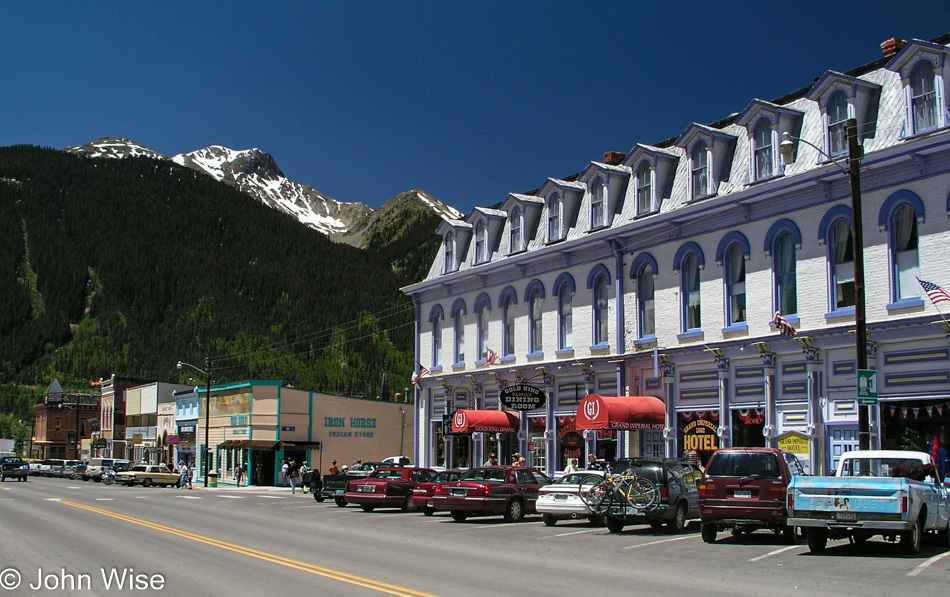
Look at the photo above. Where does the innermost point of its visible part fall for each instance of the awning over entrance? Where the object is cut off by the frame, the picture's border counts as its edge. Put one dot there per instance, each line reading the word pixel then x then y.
pixel 485 421
pixel 621 412
pixel 172 440
pixel 300 445
pixel 254 444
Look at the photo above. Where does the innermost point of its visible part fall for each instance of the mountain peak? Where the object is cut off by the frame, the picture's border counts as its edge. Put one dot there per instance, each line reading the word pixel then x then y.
pixel 114 147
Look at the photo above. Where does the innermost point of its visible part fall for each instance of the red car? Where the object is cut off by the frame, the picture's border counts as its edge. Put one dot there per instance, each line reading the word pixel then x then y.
pixel 422 494
pixel 508 490
pixel 386 488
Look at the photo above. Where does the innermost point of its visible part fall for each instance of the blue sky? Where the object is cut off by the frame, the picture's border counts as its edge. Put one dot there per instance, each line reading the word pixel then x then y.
pixel 466 100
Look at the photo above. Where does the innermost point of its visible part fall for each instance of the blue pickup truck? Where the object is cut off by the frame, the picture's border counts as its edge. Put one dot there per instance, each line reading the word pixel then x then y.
pixel 892 493
pixel 13 467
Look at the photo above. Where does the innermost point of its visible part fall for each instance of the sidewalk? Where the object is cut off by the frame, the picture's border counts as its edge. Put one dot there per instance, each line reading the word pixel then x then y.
pixel 199 485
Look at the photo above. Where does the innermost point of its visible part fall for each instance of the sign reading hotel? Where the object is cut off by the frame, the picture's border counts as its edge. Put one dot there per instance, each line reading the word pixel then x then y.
pixel 700 435
pixel 522 397
pixel 794 442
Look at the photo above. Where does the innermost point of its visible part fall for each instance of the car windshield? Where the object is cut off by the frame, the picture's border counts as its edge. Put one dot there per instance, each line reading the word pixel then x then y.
pixel 446 476
pixel 761 465
pixel 140 468
pixel 874 467
pixel 387 474
pixel 496 475
pixel 574 478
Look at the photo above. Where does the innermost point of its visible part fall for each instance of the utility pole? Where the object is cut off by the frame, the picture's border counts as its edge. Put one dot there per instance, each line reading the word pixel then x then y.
pixel 860 309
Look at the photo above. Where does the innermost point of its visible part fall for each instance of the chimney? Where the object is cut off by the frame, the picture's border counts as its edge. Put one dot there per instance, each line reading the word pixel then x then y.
pixel 892 46
pixel 613 157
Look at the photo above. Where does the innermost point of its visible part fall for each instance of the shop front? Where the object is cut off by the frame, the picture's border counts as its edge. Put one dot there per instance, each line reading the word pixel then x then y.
pixel 601 419
pixel 500 428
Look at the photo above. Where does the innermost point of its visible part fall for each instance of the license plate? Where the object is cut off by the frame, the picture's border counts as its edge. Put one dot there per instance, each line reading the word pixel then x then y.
pixel 367 488
pixel 459 492
pixel 742 493
pixel 338 492
pixel 560 497
pixel 845 516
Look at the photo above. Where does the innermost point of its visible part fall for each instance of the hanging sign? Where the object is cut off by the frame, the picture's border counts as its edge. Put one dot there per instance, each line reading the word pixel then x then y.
pixel 522 397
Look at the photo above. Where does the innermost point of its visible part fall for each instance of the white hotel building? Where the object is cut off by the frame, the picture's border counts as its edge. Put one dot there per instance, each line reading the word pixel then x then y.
pixel 658 273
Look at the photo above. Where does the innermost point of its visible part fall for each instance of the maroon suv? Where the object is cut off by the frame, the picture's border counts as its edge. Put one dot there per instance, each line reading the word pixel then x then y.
pixel 743 489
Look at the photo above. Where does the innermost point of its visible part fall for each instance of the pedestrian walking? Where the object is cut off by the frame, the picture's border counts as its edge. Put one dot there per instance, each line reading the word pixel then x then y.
pixel 239 474
pixel 182 474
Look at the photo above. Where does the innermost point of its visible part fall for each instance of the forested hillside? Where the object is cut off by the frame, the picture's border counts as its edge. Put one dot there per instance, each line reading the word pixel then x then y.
pixel 127 266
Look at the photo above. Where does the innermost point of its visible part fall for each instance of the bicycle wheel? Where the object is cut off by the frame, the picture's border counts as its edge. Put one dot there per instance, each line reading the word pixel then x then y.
pixel 641 493
pixel 594 492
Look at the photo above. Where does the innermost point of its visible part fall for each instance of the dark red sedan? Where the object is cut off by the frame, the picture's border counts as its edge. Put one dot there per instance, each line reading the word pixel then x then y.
pixel 422 494
pixel 386 488
pixel 511 491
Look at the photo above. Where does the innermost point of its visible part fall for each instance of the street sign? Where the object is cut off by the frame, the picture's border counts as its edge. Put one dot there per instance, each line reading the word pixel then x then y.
pixel 867 387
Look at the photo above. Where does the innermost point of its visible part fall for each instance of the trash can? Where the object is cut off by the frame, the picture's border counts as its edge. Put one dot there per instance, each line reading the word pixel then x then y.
pixel 212 479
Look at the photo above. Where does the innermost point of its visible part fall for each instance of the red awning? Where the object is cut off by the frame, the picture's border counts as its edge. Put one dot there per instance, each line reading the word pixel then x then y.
pixel 621 412
pixel 485 421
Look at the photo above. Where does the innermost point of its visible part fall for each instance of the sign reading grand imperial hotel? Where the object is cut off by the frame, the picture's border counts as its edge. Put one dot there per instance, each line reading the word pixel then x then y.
pixel 638 294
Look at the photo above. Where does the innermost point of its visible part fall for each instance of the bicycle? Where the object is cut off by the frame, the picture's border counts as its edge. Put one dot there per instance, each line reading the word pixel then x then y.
pixel 601 494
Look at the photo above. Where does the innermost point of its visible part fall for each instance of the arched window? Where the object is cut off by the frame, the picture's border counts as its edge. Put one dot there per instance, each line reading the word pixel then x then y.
pixel 515 243
pixel 735 285
pixel 483 312
pixel 450 265
pixel 646 308
pixel 509 330
pixel 923 97
pixel 554 218
pixel 598 203
pixel 837 118
pixel 601 316
pixel 436 339
pixel 692 316
pixel 763 149
pixel 842 264
pixel 458 327
pixel 534 303
pixel 644 188
pixel 786 291
pixel 565 303
pixel 481 242
pixel 904 255
pixel 700 170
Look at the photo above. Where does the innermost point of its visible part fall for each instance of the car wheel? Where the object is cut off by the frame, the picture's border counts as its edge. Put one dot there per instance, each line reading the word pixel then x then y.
pixel 367 507
pixel 515 511
pixel 596 520
pixel 341 502
pixel 318 498
pixel 709 530
pixel 678 523
pixel 817 539
pixel 407 504
pixel 459 516
pixel 147 483
pixel 943 537
pixel 790 534
pixel 428 511
pixel 656 525
pixel 3 479
pixel 614 525
pixel 910 540
pixel 549 519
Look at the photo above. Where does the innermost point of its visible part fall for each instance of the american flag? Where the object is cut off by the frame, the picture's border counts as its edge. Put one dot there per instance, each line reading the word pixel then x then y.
pixel 935 292
pixel 491 357
pixel 422 371
pixel 784 327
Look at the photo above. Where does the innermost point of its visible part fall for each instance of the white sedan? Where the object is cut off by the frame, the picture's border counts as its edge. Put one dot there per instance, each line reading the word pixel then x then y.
pixel 562 499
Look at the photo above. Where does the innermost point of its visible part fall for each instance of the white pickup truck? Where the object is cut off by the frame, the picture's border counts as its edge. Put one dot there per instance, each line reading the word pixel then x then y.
pixel 873 492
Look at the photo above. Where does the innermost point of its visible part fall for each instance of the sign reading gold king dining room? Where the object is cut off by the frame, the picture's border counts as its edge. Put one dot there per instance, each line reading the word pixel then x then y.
pixel 700 435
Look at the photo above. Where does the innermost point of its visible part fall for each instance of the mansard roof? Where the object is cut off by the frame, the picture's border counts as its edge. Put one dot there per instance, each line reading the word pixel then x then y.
pixel 915 48
pixel 833 78
pixel 757 106
pixel 595 167
pixel 445 224
pixel 695 129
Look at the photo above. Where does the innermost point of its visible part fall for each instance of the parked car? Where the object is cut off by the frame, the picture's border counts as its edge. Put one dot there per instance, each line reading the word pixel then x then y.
pixel 678 484
pixel 422 493
pixel 892 493
pixel 13 467
pixel 53 467
pixel 562 499
pixel 508 490
pixel 744 489
pixel 386 488
pixel 396 461
pixel 147 475
pixel 334 486
pixel 94 467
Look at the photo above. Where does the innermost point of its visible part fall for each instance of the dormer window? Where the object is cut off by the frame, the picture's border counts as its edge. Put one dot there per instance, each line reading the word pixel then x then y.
pixel 699 165
pixel 598 203
pixel 481 242
pixel 837 117
pixel 554 218
pixel 515 238
pixel 450 264
pixel 644 188
pixel 762 138
pixel 923 97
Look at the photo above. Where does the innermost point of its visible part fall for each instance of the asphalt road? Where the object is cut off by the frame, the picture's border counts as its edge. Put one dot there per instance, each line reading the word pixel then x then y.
pixel 86 538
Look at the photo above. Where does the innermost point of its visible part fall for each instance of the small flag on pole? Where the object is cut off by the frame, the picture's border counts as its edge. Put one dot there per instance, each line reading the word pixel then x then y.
pixel 935 292
pixel 422 371
pixel 784 327
pixel 491 357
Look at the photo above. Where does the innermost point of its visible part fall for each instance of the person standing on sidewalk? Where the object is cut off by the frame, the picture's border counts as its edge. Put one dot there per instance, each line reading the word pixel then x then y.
pixel 284 472
pixel 239 474
pixel 294 476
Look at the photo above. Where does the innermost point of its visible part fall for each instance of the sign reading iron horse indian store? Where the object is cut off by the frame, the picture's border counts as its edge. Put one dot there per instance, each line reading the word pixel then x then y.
pixel 522 397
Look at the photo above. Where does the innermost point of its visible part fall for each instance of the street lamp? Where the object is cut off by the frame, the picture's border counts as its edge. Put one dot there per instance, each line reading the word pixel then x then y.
pixel 207 373
pixel 857 244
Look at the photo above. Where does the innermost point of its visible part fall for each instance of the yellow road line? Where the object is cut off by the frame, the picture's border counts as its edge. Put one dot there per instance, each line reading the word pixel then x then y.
pixel 260 555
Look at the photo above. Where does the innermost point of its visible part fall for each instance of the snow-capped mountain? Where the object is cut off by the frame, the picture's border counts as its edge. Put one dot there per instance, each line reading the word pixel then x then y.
pixel 255 172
